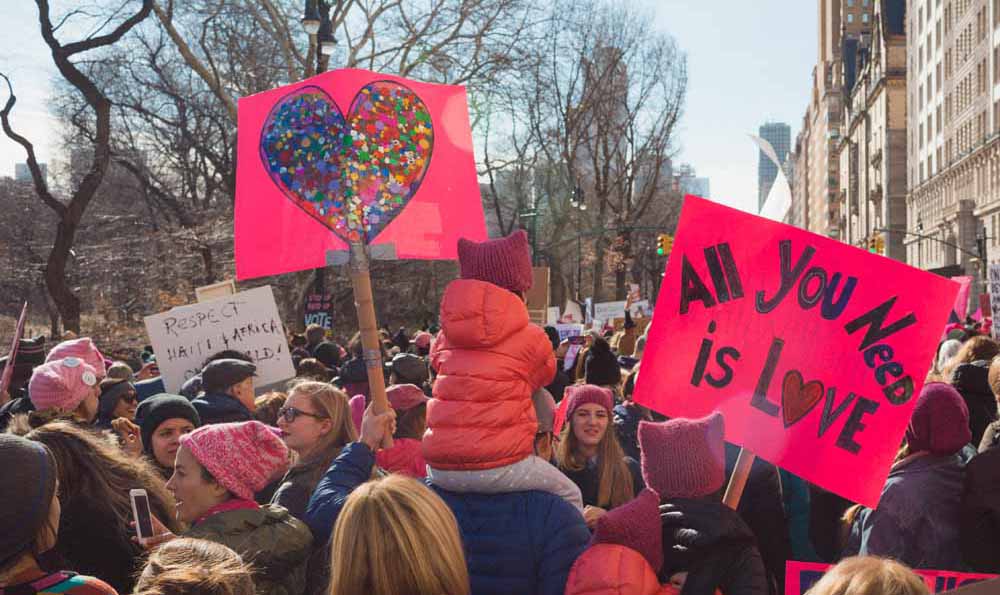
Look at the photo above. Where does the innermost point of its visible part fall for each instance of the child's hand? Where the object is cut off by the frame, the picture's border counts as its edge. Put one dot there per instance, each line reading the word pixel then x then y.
pixel 591 514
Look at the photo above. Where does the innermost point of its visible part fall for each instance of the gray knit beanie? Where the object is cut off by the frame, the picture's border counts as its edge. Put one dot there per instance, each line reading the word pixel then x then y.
pixel 29 481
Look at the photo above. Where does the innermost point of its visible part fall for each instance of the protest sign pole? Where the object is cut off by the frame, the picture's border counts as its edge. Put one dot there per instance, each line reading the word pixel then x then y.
pixel 8 370
pixel 738 481
pixel 365 303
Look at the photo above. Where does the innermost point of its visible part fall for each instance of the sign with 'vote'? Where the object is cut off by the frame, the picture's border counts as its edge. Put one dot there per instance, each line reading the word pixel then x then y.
pixel 813 350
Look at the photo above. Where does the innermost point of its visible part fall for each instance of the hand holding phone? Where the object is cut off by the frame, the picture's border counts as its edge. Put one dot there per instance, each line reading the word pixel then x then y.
pixel 142 515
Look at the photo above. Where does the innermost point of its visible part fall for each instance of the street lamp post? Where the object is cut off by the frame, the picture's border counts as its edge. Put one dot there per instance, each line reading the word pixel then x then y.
pixel 577 202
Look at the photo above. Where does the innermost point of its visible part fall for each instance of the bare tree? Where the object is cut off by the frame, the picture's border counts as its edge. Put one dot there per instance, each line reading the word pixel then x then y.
pixel 595 108
pixel 71 212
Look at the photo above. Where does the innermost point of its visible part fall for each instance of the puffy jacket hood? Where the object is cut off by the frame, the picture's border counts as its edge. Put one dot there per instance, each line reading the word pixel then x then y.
pixel 972 377
pixel 404 457
pixel 612 569
pixel 972 382
pixel 489 360
pixel 476 314
pixel 270 538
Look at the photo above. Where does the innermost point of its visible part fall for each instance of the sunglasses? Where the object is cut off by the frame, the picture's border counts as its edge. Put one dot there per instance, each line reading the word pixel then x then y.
pixel 290 413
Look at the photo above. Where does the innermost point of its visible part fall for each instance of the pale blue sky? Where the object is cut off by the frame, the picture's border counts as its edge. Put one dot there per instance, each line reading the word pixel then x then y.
pixel 748 61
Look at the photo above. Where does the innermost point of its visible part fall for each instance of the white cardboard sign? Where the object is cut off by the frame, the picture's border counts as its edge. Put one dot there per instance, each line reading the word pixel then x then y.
pixel 248 321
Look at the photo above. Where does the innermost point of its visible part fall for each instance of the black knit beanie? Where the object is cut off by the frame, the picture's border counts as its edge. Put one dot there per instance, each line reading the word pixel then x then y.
pixel 159 408
pixel 112 389
pixel 29 481
pixel 600 366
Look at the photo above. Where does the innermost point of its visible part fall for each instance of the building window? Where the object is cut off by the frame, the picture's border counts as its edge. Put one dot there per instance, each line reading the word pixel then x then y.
pixel 864 18
pixel 850 2
pixel 850 18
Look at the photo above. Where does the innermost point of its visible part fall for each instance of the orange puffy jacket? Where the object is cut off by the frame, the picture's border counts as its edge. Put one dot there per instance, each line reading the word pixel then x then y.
pixel 489 359
pixel 611 569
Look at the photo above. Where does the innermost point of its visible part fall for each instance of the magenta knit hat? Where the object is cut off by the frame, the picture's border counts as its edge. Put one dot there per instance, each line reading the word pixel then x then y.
pixel 82 348
pixel 61 384
pixel 683 458
pixel 635 524
pixel 244 457
pixel 505 262
pixel 582 394
pixel 405 396
pixel 940 421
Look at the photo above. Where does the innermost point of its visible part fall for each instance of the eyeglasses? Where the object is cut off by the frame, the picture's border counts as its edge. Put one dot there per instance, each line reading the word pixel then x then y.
pixel 290 413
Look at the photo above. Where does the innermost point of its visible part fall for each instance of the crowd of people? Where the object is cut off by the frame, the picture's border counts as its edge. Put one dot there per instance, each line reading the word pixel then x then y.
pixel 508 461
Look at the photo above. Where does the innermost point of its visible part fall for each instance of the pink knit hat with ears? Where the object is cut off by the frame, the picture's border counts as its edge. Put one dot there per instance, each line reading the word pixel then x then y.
pixel 683 458
pixel 244 457
pixel 505 262
pixel 635 524
pixel 62 384
pixel 82 348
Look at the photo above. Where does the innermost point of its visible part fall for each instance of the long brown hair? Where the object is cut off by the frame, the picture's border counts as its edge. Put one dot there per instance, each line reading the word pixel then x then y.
pixel 95 471
pixel 869 575
pixel 395 536
pixel 187 566
pixel 975 349
pixel 334 405
pixel 615 485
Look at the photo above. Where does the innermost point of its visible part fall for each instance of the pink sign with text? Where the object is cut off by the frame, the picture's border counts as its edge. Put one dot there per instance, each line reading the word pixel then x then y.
pixel 352 156
pixel 801 576
pixel 813 350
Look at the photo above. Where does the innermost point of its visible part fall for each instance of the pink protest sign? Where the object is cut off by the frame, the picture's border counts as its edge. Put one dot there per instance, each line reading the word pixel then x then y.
pixel 813 350
pixel 801 576
pixel 353 156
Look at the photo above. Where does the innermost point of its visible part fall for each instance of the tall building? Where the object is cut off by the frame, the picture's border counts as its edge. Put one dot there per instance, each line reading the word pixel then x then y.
pixel 954 120
pixel 23 174
pixel 872 149
pixel 688 182
pixel 779 135
pixel 816 199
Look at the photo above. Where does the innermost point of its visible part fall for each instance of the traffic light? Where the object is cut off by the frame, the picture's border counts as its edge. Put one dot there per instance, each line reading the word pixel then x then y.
pixel 870 244
pixel 879 244
pixel 664 243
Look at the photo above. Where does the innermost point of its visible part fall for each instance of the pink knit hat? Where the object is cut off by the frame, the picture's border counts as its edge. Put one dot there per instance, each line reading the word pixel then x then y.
pixel 683 458
pixel 635 524
pixel 405 396
pixel 505 262
pixel 422 340
pixel 82 348
pixel 582 394
pixel 940 421
pixel 244 457
pixel 62 384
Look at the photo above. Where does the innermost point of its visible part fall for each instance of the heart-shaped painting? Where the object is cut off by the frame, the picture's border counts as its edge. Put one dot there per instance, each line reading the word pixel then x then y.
pixel 354 176
pixel 798 399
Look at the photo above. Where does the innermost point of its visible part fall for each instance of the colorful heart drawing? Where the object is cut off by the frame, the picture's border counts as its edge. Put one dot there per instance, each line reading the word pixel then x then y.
pixel 354 176
pixel 798 399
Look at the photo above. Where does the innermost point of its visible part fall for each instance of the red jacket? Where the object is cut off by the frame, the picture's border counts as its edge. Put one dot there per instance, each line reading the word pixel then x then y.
pixel 489 359
pixel 404 457
pixel 611 569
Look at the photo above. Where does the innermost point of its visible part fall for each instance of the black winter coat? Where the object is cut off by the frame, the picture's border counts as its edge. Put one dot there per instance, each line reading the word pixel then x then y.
pixel 589 482
pixel 980 511
pixel 972 382
pixel 220 408
pixel 712 543
pixel 763 509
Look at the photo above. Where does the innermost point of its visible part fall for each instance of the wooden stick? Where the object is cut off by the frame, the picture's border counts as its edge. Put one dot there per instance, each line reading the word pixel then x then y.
pixel 365 303
pixel 738 481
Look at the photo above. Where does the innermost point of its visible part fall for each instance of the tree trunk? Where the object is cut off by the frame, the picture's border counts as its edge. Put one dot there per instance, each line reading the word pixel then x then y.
pixel 55 276
pixel 598 270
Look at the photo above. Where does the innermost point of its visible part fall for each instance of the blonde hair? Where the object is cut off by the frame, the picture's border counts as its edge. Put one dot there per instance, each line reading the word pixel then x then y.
pixel 975 349
pixel 395 536
pixel 868 575
pixel 188 566
pixel 335 406
pixel 615 486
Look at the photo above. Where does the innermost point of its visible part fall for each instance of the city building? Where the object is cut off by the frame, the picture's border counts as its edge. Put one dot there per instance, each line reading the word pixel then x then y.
pixel 953 147
pixel 23 174
pixel 688 182
pixel 872 149
pixel 816 202
pixel 779 135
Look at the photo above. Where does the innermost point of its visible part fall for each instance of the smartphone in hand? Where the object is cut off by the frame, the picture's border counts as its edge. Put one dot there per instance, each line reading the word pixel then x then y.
pixel 142 515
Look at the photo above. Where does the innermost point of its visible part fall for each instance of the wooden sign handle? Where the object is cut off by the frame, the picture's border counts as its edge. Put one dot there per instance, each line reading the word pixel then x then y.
pixel 738 480
pixel 364 302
